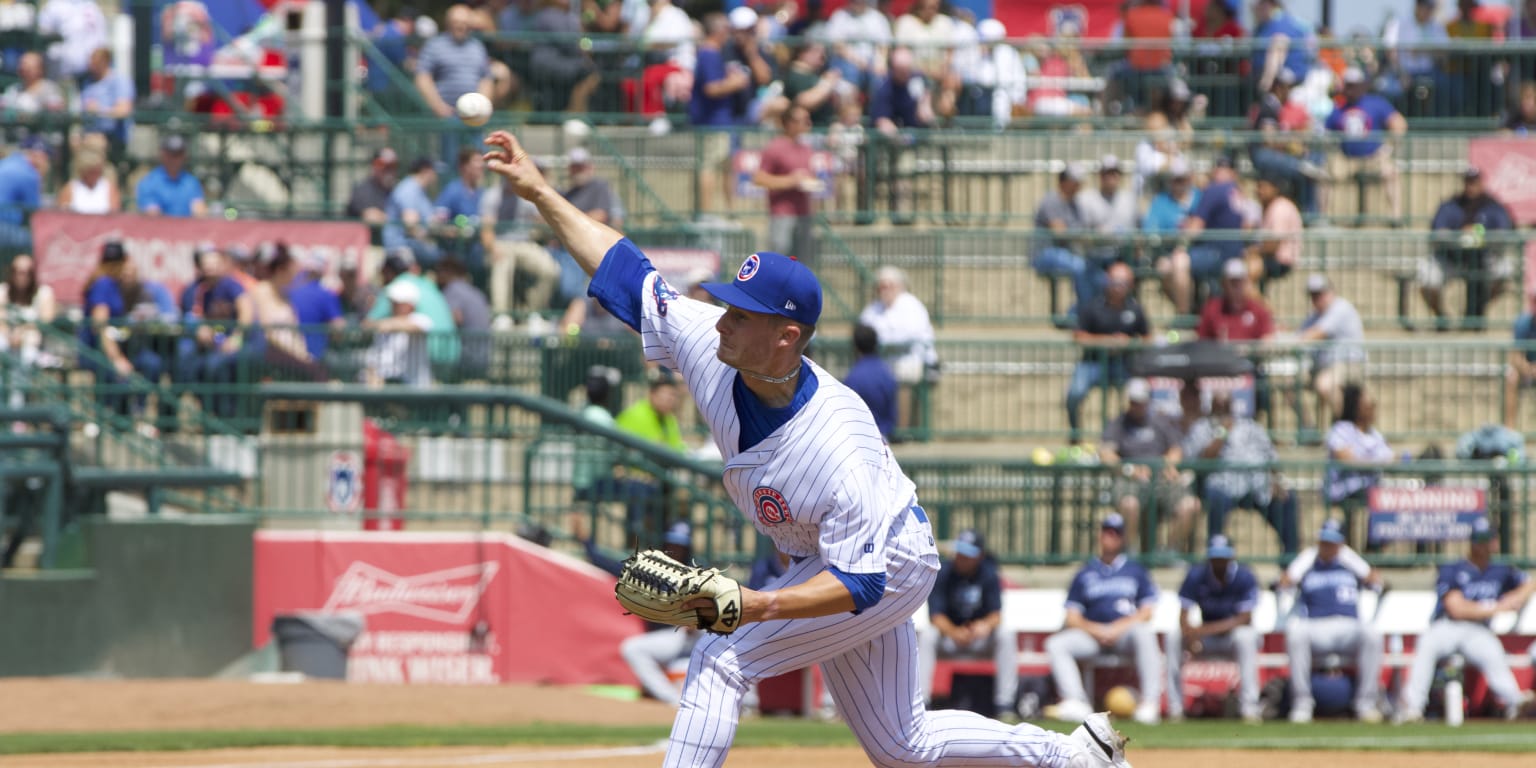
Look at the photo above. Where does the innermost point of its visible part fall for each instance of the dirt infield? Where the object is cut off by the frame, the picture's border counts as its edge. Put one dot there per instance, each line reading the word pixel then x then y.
pixel 184 705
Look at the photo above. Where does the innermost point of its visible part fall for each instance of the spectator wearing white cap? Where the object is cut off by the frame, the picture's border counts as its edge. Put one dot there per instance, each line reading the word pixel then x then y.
pixel 1368 127
pixel 992 74
pixel 399 351
pixel 1144 448
pixel 965 615
pixel 1334 326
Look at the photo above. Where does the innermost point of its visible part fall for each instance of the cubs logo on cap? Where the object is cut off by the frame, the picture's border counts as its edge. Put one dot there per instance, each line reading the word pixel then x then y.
pixel 772 284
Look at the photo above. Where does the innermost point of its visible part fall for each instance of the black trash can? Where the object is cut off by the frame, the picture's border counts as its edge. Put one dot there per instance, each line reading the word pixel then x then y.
pixel 315 644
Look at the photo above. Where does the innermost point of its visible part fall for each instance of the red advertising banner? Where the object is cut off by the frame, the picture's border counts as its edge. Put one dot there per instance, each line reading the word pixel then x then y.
pixel 68 245
pixel 424 594
pixel 1509 175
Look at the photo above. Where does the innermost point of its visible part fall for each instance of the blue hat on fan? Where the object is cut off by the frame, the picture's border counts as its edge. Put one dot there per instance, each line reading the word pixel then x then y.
pixel 1220 548
pixel 772 284
pixel 680 535
pixel 969 544
pixel 1332 532
pixel 1114 522
pixel 1481 530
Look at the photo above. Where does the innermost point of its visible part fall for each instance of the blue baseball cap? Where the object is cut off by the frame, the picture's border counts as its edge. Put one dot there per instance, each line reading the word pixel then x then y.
pixel 1220 548
pixel 1114 522
pixel 772 284
pixel 969 544
pixel 1481 530
pixel 680 535
pixel 1331 532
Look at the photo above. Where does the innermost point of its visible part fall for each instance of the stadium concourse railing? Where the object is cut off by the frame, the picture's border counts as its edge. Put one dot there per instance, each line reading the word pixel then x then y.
pixel 972 276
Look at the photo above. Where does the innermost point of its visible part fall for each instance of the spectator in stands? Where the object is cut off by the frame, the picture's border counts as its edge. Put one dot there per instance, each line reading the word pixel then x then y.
pixel 1238 314
pixel 399 351
pixel 316 307
pixel 1459 248
pixel 590 192
pixel 506 236
pixel 562 75
pixel 1172 204
pixel 111 293
pixel 873 380
pixel 785 171
pixel 32 93
pixel 1107 326
pixel 993 74
pixel 1368 126
pixel 471 315
pixel 653 419
pixel 244 262
pixel 903 326
pixel 811 84
pixel 1473 74
pixel 450 65
pixel 1417 63
pixel 1285 42
pixel 1109 610
pixel 357 293
pixel 1522 119
pixel 1334 325
pixel 1219 21
pixel 1059 227
pixel 25 304
pixel 170 189
pixel 930 35
pixel 1108 209
pixel 1144 448
pixel 722 91
pixel 1472 592
pixel 1054 92
pixel 750 49
pixel 370 198
pixel 1277 250
pixel 1326 619
pixel 902 100
pixel 457 209
pixel 1169 128
pixel 91 190
pixel 861 37
pixel 1225 592
pixel 1223 212
pixel 277 348
pixel 1521 372
pixel 21 191
pixel 1147 67
pixel 965 617
pixel 411 214
pixel 217 310
pixel 82 28
pixel 1284 126
pixel 1233 439
pixel 398 267
pixel 1356 451
pixel 106 100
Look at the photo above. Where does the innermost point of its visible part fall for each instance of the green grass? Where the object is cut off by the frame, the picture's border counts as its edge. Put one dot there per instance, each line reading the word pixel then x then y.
pixel 1211 734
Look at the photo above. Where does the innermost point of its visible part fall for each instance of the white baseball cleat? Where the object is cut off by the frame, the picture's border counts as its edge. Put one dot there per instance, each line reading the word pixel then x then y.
pixel 1147 713
pixel 1069 710
pixel 1102 745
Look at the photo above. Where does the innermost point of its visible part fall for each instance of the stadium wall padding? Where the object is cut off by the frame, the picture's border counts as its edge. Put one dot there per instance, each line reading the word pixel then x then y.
pixel 163 598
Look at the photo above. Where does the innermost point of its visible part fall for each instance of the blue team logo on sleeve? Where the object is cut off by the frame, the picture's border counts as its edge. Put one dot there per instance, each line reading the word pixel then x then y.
pixel 772 509
pixel 748 268
pixel 662 293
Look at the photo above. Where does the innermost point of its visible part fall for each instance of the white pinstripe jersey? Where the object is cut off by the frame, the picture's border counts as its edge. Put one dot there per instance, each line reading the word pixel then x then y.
pixel 823 483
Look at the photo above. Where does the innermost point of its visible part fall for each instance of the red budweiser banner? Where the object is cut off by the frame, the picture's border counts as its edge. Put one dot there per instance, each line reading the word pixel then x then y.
pixel 68 245
pixel 425 594
pixel 1509 173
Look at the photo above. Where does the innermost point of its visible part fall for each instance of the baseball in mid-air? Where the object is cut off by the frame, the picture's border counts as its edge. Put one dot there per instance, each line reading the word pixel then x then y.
pixel 474 109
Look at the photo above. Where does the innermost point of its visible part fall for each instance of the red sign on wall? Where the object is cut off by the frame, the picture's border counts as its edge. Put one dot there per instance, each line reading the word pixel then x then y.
pixel 440 608
pixel 68 245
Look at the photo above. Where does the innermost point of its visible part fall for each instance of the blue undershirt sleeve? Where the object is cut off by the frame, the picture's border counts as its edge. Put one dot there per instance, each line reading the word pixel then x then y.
pixel 620 281
pixel 866 588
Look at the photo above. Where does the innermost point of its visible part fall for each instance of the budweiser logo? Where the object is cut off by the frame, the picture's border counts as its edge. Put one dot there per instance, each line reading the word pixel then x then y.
pixel 447 596
pixel 1514 179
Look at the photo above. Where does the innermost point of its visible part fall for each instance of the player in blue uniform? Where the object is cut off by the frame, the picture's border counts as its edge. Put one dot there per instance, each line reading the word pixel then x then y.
pixel 1109 610
pixel 806 463
pixel 1326 619
pixel 1225 592
pixel 965 617
pixel 1471 592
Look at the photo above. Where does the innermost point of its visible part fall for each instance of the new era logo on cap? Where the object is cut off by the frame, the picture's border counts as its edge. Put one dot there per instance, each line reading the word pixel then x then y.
pixel 772 284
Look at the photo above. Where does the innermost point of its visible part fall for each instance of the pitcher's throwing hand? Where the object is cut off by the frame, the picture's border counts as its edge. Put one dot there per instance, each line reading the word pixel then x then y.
pixel 508 159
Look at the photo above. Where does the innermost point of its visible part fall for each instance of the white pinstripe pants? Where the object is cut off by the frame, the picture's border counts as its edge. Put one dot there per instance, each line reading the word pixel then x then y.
pixel 870 663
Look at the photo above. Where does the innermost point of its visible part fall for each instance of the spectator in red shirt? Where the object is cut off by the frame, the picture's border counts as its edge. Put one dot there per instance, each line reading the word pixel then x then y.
pixel 785 171
pixel 1219 21
pixel 1238 314
pixel 1146 66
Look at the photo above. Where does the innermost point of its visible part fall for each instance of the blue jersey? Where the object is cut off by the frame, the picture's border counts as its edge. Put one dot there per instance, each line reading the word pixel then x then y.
pixel 964 599
pixel 1216 600
pixel 1329 589
pixel 1105 592
pixel 1475 585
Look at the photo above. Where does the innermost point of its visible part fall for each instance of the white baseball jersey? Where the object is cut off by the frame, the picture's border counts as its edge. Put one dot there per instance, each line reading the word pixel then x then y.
pixel 825 488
